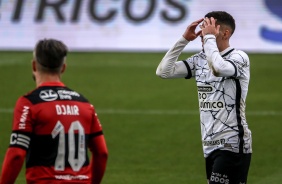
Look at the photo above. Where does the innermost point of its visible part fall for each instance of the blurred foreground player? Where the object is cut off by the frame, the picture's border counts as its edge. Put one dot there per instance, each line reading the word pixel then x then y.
pixel 53 126
pixel 222 75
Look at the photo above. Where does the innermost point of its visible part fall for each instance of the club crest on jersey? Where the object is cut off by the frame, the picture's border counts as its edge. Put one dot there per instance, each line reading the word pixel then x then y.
pixel 48 95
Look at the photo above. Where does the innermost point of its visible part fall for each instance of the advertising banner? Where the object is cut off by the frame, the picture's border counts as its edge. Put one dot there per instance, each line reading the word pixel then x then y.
pixel 134 25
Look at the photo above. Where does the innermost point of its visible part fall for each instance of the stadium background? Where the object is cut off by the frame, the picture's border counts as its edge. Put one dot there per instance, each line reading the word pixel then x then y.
pixel 151 125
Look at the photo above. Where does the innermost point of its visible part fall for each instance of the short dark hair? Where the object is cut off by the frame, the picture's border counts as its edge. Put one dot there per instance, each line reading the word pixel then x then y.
pixel 223 17
pixel 50 54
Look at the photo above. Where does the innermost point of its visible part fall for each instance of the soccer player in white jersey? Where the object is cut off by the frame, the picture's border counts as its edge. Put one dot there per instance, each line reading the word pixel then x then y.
pixel 222 75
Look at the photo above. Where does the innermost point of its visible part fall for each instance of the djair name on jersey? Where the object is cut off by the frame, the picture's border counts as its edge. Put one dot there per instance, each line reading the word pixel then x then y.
pixel 67 110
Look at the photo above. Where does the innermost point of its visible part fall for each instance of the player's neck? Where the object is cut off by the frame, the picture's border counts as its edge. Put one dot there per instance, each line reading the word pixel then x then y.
pixel 42 78
pixel 223 46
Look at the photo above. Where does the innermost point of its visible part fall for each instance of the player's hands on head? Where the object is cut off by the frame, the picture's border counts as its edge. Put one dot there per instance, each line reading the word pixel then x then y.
pixel 209 27
pixel 190 32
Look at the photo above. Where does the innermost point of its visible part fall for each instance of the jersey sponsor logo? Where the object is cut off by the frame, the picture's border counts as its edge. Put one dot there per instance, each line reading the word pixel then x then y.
pixel 25 112
pixel 19 140
pixel 211 105
pixel 219 178
pixel 203 93
pixel 48 95
pixel 67 110
pixel 71 177
pixel 66 94
pixel 205 89
pixel 214 142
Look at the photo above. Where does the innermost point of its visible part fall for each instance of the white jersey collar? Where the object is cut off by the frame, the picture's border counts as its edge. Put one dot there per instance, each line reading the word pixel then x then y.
pixel 225 51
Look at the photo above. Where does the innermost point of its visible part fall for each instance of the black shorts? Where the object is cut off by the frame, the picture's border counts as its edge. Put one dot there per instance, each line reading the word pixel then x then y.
pixel 227 167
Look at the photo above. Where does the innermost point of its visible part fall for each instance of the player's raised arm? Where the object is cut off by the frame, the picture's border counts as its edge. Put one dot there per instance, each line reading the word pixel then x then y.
pixel 210 32
pixel 190 33
pixel 169 67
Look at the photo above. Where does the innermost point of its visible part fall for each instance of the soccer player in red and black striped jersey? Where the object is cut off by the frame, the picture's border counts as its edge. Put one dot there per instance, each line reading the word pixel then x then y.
pixel 53 126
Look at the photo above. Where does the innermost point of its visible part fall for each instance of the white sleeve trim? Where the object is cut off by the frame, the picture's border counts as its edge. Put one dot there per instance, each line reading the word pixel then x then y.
pixel 169 67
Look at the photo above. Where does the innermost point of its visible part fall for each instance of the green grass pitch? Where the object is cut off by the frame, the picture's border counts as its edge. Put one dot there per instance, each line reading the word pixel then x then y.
pixel 152 125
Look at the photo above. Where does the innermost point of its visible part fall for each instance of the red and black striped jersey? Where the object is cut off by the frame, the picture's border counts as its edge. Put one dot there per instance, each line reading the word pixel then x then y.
pixel 54 124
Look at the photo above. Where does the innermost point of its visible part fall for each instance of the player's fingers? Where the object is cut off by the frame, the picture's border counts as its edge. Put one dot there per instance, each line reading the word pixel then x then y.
pixel 212 21
pixel 198 33
pixel 217 28
pixel 205 24
pixel 207 21
pixel 199 21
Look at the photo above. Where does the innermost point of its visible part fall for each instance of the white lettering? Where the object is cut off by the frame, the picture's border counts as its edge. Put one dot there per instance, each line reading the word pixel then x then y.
pixel 13 139
pixel 219 178
pixel 63 109
pixel 75 110
pixel 58 109
pixel 71 177
pixel 67 110
pixel 23 118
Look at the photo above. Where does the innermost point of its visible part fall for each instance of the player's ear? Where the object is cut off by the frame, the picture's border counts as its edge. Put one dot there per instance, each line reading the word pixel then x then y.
pixel 226 34
pixel 33 63
pixel 63 68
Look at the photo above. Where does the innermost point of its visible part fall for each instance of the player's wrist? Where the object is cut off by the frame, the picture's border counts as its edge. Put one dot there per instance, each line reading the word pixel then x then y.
pixel 207 36
pixel 184 40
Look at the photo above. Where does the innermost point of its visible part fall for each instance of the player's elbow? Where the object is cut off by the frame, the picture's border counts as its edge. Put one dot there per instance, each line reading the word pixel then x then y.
pixel 102 152
pixel 102 155
pixel 105 156
pixel 161 74
pixel 16 154
pixel 215 71
pixel 158 73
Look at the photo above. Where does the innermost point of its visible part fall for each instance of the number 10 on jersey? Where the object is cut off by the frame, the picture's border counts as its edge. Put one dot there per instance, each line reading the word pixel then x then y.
pixel 75 163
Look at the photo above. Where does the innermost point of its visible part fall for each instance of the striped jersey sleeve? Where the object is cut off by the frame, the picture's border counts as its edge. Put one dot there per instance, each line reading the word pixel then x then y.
pixel 22 124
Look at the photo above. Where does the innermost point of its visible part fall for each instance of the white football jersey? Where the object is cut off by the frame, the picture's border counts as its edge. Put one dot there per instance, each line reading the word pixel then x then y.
pixel 221 99
pixel 222 102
